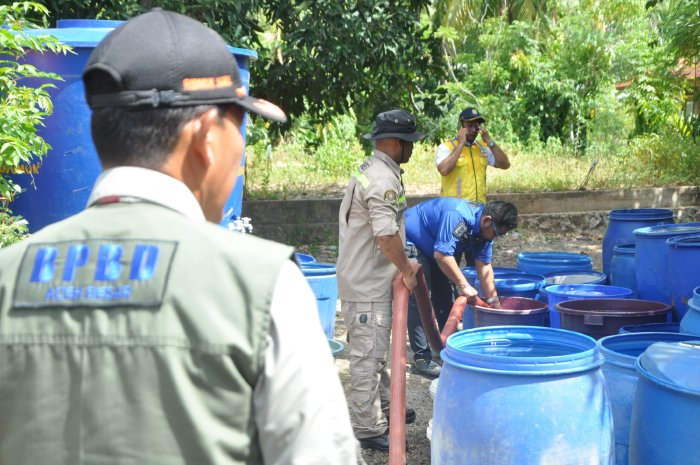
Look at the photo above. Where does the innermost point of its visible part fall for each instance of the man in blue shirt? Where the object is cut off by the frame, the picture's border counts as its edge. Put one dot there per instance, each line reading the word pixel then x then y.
pixel 441 229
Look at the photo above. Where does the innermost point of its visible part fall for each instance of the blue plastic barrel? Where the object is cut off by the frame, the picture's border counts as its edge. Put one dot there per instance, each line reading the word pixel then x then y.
pixel 683 271
pixel 521 395
pixel 323 281
pixel 621 226
pixel 622 267
pixel 690 323
pixel 59 185
pixel 652 328
pixel 516 285
pixel 304 259
pixel 621 352
pixel 469 272
pixel 666 408
pixel 652 258
pixel 564 292
pixel 548 262
pixel 575 277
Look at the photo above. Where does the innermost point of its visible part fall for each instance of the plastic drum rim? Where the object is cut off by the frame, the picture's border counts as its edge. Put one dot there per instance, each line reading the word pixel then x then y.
pixel 631 341
pixel 661 382
pixel 668 230
pixel 635 214
pixel 583 353
pixel 690 241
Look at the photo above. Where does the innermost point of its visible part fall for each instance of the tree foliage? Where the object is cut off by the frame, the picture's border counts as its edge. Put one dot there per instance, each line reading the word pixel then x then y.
pixel 23 104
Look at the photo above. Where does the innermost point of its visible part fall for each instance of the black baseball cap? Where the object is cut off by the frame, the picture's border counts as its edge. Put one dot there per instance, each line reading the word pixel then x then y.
pixel 163 59
pixel 395 123
pixel 471 114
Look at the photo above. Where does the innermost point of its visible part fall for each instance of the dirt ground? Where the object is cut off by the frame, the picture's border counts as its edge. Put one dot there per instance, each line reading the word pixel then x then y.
pixel 418 396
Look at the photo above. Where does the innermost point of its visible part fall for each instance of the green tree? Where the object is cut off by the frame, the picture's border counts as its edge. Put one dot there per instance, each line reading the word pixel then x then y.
pixel 22 108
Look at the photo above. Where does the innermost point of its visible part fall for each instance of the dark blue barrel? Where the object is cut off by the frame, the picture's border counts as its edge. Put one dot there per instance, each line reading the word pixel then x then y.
pixel 666 408
pixel 520 395
pixel 59 185
pixel 652 258
pixel 575 277
pixel 621 225
pixel 304 259
pixel 548 262
pixel 469 272
pixel 691 321
pixel 323 281
pixel 652 328
pixel 621 352
pixel 622 267
pixel 564 292
pixel 683 271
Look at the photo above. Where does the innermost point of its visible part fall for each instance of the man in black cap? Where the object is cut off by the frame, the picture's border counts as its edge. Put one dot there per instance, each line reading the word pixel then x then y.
pixel 140 332
pixel 371 252
pixel 462 161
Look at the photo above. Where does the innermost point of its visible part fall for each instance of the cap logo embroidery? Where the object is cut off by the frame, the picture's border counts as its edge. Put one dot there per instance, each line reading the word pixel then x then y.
pixel 207 83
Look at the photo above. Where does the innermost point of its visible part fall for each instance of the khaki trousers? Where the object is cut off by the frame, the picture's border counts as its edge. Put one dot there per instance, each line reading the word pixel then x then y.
pixel 369 330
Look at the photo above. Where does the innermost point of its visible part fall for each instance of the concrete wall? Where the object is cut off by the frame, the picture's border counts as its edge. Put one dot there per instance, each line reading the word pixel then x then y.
pixel 316 220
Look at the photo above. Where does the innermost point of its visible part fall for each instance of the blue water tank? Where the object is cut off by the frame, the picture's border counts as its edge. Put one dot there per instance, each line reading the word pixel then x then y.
pixel 59 185
pixel 691 321
pixel 564 292
pixel 520 395
pixel 652 328
pixel 621 225
pixel 652 258
pixel 683 271
pixel 623 271
pixel 621 352
pixel 304 259
pixel 666 408
pixel 323 281
pixel 548 262
pixel 470 273
pixel 575 277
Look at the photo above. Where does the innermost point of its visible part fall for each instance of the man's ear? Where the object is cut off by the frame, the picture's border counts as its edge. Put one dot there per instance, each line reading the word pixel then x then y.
pixel 202 135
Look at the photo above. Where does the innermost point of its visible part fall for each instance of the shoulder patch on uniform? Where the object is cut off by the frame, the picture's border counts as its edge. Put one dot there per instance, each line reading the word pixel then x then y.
pixel 390 196
pixel 460 230
pixel 473 204
pixel 365 165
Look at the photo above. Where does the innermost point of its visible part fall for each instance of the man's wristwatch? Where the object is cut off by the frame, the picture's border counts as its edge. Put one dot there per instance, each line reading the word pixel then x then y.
pixel 491 300
pixel 491 143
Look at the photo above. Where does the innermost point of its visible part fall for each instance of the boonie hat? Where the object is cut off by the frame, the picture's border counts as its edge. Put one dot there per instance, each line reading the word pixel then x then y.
pixel 163 59
pixel 395 123
pixel 471 114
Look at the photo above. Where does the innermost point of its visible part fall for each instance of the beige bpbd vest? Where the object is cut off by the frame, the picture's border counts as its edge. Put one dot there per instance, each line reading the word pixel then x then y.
pixel 130 334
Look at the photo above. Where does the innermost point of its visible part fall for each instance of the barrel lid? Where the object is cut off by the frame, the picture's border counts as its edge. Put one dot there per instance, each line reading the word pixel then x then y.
pixel 673 364
pixel 668 230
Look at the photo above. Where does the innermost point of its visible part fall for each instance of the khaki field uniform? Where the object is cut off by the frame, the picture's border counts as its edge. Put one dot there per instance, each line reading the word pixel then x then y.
pixel 374 205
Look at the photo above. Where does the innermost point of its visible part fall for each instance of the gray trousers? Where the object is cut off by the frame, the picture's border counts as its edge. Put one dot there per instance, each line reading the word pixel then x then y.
pixel 369 330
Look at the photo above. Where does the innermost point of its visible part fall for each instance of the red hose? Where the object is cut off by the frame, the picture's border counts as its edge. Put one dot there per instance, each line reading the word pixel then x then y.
pixel 397 392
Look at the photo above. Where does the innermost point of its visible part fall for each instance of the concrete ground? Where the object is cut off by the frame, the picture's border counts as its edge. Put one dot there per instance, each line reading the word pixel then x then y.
pixel 588 242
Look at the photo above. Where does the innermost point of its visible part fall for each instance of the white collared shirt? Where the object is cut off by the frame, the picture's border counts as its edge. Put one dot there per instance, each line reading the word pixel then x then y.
pixel 299 405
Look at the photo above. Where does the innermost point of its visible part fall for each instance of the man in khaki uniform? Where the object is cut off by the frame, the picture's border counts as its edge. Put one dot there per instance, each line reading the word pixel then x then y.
pixel 371 252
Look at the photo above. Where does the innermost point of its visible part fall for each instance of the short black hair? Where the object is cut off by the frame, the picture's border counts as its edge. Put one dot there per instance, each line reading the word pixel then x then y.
pixel 136 137
pixel 504 214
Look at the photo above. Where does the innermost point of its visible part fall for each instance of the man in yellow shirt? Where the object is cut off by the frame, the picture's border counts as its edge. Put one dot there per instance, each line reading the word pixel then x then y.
pixel 462 161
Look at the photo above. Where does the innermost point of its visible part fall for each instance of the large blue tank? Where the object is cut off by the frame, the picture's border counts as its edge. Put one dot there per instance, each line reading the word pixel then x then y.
pixel 683 271
pixel 652 259
pixel 623 271
pixel 666 408
pixel 563 292
pixel 521 395
pixel 621 225
pixel 621 352
pixel 548 262
pixel 324 283
pixel 59 185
